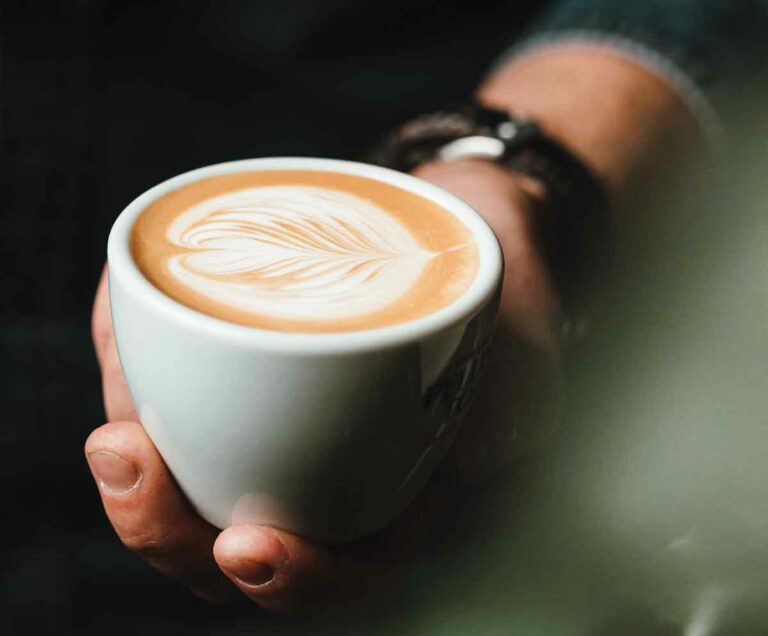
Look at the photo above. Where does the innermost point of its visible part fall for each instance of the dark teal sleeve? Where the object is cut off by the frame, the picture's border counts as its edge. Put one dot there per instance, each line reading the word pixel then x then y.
pixel 698 45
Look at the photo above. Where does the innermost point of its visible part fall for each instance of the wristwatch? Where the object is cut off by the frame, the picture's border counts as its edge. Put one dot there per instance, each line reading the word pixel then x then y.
pixel 574 230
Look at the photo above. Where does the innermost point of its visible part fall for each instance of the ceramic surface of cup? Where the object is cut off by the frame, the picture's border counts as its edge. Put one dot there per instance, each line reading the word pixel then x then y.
pixel 328 435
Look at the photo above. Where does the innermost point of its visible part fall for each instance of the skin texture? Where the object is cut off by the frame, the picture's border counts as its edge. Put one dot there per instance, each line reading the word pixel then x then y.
pixel 518 405
pixel 630 128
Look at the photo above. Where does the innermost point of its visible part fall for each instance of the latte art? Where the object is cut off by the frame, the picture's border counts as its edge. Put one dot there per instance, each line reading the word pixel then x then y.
pixel 295 252
pixel 304 250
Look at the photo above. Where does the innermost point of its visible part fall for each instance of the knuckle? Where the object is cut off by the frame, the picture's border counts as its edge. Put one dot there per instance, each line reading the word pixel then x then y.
pixel 149 544
pixel 173 555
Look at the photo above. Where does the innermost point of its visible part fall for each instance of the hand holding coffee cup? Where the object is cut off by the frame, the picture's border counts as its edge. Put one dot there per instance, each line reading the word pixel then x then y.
pixel 312 384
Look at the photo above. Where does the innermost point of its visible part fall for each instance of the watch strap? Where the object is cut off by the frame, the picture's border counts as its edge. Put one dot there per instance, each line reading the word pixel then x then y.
pixel 573 230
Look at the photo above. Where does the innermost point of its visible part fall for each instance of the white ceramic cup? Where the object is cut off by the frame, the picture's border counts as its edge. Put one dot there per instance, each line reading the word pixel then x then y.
pixel 328 436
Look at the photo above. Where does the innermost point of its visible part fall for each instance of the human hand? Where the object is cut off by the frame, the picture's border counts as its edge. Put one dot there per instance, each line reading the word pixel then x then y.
pixel 278 570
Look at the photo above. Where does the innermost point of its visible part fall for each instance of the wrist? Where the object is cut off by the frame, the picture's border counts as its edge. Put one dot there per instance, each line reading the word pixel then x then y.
pixel 490 174
pixel 510 203
pixel 521 197
pixel 571 226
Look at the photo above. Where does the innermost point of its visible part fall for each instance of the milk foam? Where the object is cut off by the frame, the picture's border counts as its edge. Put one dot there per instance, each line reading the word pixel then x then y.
pixel 295 252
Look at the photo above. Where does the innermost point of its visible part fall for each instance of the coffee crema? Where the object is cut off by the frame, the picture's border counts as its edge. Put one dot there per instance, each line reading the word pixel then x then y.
pixel 304 250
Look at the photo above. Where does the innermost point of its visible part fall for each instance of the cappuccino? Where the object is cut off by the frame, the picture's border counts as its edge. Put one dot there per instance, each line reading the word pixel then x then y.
pixel 304 250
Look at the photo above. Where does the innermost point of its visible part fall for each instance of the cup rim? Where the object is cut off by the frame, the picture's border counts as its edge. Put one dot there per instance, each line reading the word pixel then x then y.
pixel 487 279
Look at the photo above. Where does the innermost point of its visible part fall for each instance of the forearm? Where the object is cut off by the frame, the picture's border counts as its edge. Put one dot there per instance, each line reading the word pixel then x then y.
pixel 623 122
pixel 627 124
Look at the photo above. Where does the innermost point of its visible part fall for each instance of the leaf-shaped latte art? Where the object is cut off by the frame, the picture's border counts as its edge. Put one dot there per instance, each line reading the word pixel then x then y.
pixel 295 252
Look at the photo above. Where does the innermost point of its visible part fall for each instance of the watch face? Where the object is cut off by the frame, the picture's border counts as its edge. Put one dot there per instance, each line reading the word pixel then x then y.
pixel 478 146
pixel 470 130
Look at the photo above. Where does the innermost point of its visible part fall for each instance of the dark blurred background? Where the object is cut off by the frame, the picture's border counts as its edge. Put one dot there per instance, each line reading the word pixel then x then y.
pixel 99 100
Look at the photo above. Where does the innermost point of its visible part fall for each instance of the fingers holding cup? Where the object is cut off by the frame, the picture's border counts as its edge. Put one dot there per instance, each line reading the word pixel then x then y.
pixel 118 404
pixel 148 511
pixel 294 409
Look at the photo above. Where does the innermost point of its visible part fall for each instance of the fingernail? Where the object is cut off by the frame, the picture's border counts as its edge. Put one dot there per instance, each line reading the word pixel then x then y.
pixel 251 573
pixel 251 556
pixel 115 475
